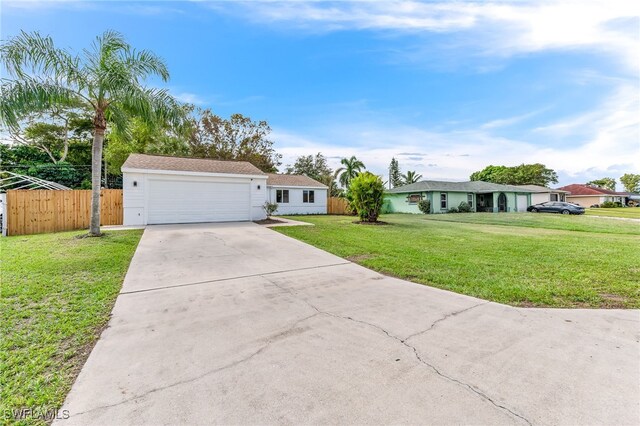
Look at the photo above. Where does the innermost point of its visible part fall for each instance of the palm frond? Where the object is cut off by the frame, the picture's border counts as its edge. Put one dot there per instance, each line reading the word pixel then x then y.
pixel 28 95
pixel 30 53
pixel 144 63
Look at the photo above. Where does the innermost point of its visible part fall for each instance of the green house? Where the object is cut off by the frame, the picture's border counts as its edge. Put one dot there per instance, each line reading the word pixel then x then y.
pixel 481 196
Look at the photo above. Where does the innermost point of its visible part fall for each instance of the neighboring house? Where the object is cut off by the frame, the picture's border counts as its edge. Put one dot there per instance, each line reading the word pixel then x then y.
pixel 297 194
pixel 542 194
pixel 160 189
pixel 481 196
pixel 587 196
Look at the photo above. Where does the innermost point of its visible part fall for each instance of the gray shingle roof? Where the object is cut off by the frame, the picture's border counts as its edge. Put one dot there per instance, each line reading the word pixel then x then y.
pixel 184 164
pixel 473 186
pixel 293 180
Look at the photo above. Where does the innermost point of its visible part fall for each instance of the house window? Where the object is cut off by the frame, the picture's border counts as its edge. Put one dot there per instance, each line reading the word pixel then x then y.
pixel 443 200
pixel 282 196
pixel 308 196
pixel 414 198
pixel 470 199
pixel 553 197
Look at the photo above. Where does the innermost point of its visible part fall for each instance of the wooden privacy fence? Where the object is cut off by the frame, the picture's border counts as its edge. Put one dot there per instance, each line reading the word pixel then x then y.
pixel 41 211
pixel 337 205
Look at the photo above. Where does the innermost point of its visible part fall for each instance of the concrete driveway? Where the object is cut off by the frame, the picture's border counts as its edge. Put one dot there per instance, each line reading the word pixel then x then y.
pixel 237 324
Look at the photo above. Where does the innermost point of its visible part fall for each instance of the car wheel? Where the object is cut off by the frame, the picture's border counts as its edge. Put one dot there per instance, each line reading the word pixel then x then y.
pixel 534 210
pixel 566 212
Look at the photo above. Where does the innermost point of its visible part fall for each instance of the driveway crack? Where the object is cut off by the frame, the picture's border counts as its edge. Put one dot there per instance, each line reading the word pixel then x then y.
pixel 415 351
pixel 207 373
pixel 445 317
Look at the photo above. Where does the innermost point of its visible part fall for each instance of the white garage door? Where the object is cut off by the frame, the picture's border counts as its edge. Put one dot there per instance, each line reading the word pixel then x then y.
pixel 522 203
pixel 180 201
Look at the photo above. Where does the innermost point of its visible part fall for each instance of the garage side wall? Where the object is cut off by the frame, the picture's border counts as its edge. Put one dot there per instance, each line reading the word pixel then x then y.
pixel 258 198
pixel 538 198
pixel 133 199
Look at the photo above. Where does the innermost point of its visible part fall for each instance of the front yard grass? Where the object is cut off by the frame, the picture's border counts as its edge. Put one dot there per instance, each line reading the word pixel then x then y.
pixel 518 259
pixel 57 294
pixel 624 212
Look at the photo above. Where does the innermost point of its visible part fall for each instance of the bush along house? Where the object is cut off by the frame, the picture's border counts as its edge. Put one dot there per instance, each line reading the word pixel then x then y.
pixel 446 196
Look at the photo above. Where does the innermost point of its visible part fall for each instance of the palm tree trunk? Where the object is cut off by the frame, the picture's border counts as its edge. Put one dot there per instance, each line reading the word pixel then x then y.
pixel 96 168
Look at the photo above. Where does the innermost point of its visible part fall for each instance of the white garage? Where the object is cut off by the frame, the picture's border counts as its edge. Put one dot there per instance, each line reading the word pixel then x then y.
pixel 159 190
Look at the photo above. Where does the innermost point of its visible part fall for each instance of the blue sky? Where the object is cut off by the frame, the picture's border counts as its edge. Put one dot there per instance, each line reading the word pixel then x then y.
pixel 447 88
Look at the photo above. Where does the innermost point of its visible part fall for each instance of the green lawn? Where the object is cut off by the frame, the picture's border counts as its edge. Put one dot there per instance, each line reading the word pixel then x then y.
pixel 57 294
pixel 625 212
pixel 518 259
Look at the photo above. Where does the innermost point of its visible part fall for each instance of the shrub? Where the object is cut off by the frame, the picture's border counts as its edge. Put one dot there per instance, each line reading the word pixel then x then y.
pixel 609 205
pixel 425 206
pixel 270 208
pixel 367 196
pixel 61 172
pixel 464 207
pixel 453 210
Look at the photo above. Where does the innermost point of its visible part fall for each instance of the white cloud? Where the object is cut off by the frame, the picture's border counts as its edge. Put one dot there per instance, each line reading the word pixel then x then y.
pixel 189 98
pixel 490 28
pixel 609 144
pixel 505 122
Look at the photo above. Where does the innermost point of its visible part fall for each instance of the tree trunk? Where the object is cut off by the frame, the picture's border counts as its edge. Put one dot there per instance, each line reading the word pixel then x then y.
pixel 96 169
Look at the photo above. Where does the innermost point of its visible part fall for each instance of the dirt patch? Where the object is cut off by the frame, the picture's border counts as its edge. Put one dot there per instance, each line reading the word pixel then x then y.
pixel 613 301
pixel 359 257
pixel 361 222
pixel 268 221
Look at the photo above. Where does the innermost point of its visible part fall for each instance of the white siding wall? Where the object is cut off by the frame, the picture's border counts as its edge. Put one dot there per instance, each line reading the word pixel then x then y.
pixel 133 198
pixel 538 198
pixel 258 198
pixel 295 204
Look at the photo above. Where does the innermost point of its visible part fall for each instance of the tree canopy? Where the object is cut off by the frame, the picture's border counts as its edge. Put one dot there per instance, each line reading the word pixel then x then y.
pixel 314 166
pixel 236 138
pixel 53 131
pixel 631 182
pixel 351 167
pixel 604 183
pixel 395 178
pixel 524 174
pixel 411 177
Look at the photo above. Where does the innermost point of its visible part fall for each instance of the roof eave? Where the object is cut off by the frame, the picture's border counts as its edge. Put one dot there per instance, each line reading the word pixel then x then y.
pixel 189 173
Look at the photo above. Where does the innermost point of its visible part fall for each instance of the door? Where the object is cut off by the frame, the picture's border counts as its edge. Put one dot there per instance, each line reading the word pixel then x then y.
pixel 522 203
pixel 502 202
pixel 191 201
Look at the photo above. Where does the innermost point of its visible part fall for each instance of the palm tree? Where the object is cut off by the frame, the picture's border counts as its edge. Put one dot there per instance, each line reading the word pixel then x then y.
pixel 411 177
pixel 106 78
pixel 352 166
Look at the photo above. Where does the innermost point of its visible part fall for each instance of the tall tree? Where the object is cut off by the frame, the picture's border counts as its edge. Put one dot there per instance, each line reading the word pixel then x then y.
pixel 351 167
pixel 411 177
pixel 524 174
pixel 604 183
pixel 53 131
pixel 237 138
pixel 395 178
pixel 631 182
pixel 316 167
pixel 106 78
